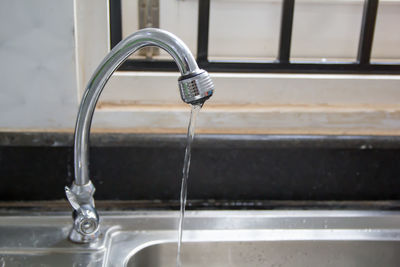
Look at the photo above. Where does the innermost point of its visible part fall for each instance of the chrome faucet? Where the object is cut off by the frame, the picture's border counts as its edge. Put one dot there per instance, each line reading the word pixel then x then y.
pixel 195 87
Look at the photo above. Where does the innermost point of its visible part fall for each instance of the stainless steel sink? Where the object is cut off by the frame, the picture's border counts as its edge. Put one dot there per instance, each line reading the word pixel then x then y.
pixel 273 253
pixel 211 238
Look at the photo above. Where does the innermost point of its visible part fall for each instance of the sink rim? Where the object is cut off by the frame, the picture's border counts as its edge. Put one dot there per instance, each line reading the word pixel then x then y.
pixel 127 232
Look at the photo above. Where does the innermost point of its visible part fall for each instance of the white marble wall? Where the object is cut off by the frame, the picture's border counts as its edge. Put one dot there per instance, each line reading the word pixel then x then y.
pixel 38 88
pixel 38 85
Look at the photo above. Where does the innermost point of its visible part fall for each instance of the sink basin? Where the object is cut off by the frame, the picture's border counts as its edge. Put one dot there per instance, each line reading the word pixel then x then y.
pixel 273 253
pixel 211 238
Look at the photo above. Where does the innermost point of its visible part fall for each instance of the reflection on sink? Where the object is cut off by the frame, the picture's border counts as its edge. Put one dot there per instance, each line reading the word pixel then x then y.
pixel 50 259
pixel 211 238
pixel 273 253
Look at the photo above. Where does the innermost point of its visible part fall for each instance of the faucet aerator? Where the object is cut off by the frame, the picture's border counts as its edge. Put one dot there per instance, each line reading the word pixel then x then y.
pixel 196 87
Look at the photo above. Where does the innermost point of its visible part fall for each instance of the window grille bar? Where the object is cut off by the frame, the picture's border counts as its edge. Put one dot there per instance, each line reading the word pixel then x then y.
pixel 203 31
pixel 367 31
pixel 266 67
pixel 115 22
pixel 286 31
pixel 296 67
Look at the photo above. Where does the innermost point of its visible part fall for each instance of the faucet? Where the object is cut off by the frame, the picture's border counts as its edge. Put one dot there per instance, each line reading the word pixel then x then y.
pixel 195 87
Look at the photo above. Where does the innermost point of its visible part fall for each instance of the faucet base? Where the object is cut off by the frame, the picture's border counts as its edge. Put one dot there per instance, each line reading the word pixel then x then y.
pixel 77 237
pixel 86 220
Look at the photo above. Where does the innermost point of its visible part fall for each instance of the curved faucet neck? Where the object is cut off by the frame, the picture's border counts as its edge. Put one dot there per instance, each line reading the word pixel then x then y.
pixel 147 37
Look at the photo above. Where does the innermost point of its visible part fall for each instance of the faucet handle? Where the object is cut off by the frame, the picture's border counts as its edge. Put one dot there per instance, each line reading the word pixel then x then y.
pixel 72 198
pixel 79 195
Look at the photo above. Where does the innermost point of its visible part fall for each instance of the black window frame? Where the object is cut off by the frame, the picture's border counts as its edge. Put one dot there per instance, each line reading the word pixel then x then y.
pixel 283 64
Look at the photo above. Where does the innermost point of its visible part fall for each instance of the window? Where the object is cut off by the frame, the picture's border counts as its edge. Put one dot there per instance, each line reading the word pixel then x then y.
pixel 255 93
pixel 337 30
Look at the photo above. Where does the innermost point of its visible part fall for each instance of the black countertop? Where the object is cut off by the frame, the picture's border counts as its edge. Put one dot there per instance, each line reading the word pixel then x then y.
pixel 148 167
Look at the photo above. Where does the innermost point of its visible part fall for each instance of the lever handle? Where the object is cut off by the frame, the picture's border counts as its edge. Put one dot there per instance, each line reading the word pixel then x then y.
pixel 72 198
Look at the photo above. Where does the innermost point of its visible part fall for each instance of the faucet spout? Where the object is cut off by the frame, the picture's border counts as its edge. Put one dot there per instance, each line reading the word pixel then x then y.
pixel 195 87
pixel 195 84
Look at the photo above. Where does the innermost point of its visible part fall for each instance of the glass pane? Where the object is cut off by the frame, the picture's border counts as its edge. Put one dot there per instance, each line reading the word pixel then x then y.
pixel 177 17
pixel 386 46
pixel 244 29
pixel 326 30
